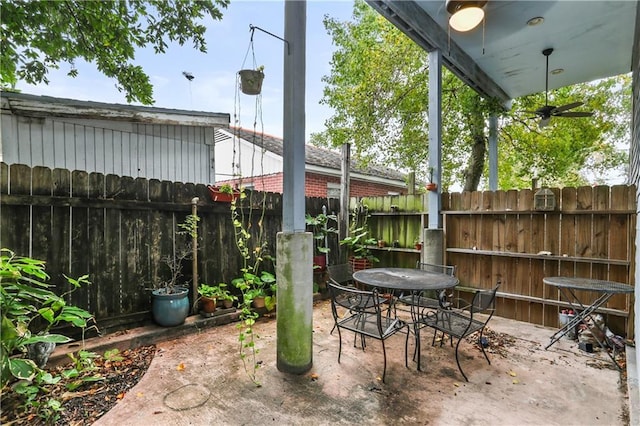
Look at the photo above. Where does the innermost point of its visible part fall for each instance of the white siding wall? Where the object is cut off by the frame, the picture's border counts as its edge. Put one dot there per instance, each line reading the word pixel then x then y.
pixel 250 157
pixel 153 151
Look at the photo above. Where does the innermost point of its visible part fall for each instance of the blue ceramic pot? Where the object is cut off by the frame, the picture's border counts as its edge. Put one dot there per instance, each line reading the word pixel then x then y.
pixel 170 309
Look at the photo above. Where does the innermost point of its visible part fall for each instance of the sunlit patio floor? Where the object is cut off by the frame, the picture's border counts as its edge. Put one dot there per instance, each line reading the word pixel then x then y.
pixel 198 379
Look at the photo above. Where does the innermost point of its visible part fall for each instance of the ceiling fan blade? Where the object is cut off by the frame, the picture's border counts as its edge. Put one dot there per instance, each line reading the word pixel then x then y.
pixel 567 106
pixel 575 114
pixel 544 122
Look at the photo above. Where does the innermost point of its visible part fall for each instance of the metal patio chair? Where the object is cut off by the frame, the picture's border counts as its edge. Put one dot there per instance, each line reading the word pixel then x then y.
pixel 423 300
pixel 342 274
pixel 361 312
pixel 460 323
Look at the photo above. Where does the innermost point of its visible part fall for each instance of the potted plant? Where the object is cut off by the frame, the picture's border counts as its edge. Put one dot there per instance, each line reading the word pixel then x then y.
pixel 224 296
pixel 208 298
pixel 224 193
pixel 358 241
pixel 169 299
pixel 318 226
pixel 251 80
pixel 431 185
pixel 417 243
pixel 255 289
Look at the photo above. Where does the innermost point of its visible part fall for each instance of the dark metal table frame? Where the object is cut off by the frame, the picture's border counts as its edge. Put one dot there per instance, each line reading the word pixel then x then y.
pixel 568 287
pixel 409 280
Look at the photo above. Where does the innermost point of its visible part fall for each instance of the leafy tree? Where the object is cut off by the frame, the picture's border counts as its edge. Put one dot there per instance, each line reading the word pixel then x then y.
pixel 378 88
pixel 38 35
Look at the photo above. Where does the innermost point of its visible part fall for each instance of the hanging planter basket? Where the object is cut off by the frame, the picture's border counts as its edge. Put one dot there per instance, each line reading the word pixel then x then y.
pixel 251 81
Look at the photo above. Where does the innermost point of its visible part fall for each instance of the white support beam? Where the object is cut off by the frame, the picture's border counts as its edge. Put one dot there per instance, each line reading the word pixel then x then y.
pixel 493 153
pixel 435 135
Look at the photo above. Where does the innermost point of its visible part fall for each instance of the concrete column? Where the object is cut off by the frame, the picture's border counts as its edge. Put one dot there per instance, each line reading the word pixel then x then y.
pixel 432 250
pixel 294 272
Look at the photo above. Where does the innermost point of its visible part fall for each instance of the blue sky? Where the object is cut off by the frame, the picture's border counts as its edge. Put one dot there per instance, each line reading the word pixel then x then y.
pixel 213 88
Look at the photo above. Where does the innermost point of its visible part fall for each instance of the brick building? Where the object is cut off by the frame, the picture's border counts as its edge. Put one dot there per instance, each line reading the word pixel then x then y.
pixel 257 158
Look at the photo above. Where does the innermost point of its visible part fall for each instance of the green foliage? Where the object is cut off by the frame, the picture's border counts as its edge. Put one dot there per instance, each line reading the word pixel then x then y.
pixel 29 310
pixel 378 89
pixel 225 188
pixel 207 290
pixel 320 229
pixel 254 280
pixel 113 355
pixel 82 363
pixel 569 152
pixel 358 238
pixel 36 36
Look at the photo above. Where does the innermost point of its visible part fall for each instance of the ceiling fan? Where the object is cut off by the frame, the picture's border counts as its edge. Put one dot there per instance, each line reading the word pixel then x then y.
pixel 547 111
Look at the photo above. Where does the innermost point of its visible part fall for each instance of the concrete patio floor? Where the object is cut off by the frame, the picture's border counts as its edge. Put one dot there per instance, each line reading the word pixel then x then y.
pixel 198 379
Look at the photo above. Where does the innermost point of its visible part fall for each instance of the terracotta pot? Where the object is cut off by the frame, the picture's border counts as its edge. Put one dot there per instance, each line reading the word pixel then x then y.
pixel 418 246
pixel 258 302
pixel 208 304
pixel 227 303
pixel 431 186
pixel 381 243
pixel 222 197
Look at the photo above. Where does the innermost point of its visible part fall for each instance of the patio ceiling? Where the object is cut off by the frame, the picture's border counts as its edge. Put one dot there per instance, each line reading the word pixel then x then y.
pixel 591 40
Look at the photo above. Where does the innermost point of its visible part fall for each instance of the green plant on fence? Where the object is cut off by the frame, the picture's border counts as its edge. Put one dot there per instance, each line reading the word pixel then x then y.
pixel 319 227
pixel 359 239
pixel 225 188
pixel 29 310
pixel 253 282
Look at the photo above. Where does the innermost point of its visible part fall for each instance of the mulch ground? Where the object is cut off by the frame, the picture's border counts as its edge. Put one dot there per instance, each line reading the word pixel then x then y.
pixel 87 403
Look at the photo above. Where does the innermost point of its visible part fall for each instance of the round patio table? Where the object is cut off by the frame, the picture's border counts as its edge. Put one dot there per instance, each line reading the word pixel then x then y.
pixel 414 281
pixel 405 279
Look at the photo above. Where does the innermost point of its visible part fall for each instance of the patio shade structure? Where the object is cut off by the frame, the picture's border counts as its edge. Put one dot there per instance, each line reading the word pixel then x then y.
pixel 591 40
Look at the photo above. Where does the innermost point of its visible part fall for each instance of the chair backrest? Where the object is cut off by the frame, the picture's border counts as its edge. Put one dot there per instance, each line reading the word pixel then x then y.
pixel 341 274
pixel 444 269
pixel 484 301
pixel 354 300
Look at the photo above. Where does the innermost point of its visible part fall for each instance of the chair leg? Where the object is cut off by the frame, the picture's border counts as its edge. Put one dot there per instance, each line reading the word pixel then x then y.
pixel 417 351
pixel 384 354
pixel 339 344
pixel 458 360
pixel 482 347
pixel 406 349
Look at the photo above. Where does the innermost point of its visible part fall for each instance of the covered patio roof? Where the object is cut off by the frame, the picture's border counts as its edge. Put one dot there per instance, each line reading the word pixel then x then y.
pixel 591 40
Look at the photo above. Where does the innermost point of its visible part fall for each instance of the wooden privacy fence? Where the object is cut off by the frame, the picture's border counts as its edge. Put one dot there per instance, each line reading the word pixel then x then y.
pixel 498 237
pixel 117 230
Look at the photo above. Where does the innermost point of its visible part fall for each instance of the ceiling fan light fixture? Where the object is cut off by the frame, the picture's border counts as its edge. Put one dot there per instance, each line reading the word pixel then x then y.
pixel 465 14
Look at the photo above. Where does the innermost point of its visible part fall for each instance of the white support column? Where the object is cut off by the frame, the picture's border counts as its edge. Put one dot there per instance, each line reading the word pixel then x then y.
pixel 294 246
pixel 435 136
pixel 493 153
